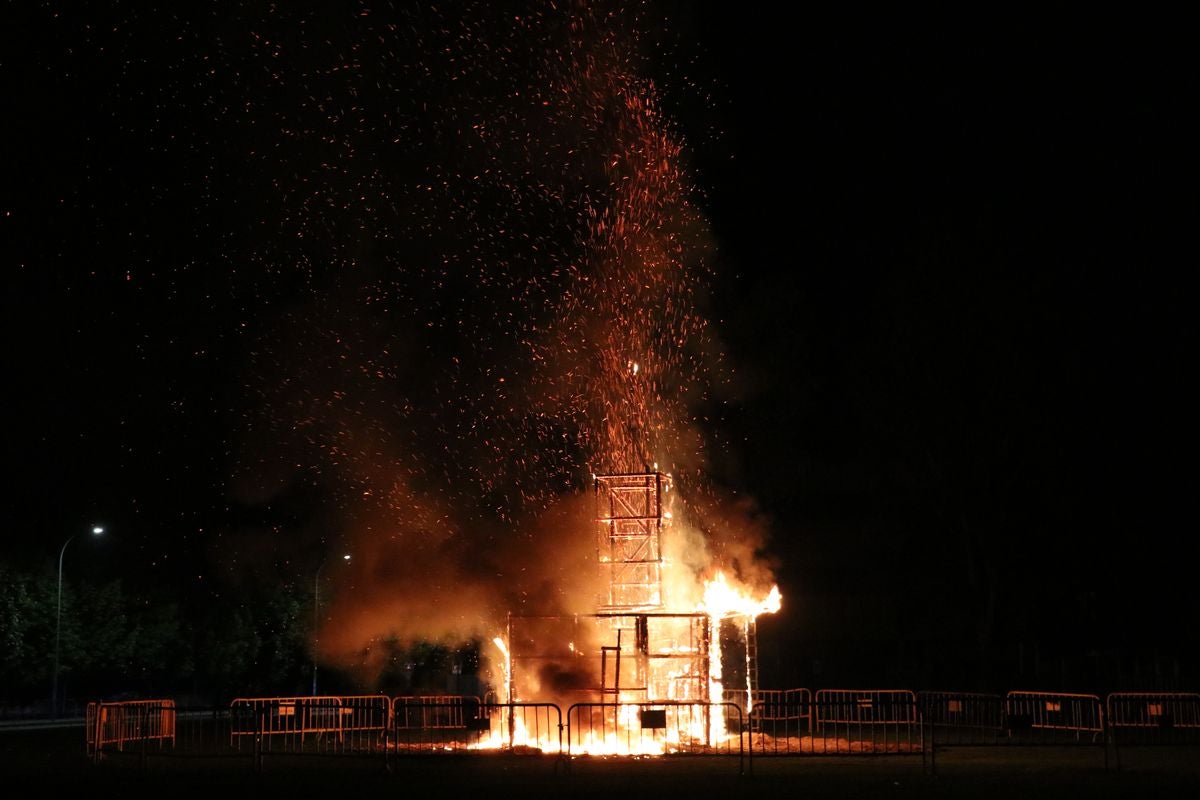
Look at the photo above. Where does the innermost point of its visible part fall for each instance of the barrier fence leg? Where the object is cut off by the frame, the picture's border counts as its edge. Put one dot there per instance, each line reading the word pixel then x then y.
pixel 746 742
pixel 1110 737
pixel 932 749
pixel 259 725
pixel 924 745
pixel 561 760
pixel 144 713
pixel 98 731
pixel 565 754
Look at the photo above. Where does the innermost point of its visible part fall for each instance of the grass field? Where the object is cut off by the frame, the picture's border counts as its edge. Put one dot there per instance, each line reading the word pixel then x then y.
pixel 53 760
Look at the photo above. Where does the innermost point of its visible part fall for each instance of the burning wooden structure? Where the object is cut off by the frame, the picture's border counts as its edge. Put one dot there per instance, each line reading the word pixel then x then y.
pixel 640 645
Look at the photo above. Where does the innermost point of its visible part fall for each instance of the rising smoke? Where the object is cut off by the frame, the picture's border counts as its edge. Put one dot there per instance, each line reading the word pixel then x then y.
pixel 496 267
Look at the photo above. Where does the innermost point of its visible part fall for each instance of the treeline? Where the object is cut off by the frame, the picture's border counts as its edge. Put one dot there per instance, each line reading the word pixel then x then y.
pixel 117 642
pixel 253 640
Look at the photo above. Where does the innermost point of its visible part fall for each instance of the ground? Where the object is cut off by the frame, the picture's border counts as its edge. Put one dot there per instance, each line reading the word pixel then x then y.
pixel 54 760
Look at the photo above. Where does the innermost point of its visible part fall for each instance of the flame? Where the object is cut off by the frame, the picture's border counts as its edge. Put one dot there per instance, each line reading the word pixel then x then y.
pixel 724 601
pixel 721 600
pixel 503 647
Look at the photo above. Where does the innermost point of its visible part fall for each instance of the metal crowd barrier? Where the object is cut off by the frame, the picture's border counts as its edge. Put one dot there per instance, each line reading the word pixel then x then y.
pixel 524 727
pixel 365 721
pixel 310 724
pixel 854 722
pixel 791 722
pixel 1150 718
pixel 115 725
pixel 1053 718
pixel 963 718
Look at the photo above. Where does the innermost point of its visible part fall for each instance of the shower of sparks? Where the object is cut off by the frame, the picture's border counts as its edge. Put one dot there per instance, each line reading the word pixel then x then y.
pixel 485 226
pixel 441 264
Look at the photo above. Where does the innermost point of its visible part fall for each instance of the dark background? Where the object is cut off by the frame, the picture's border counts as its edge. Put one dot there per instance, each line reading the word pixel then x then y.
pixel 953 276
pixel 972 344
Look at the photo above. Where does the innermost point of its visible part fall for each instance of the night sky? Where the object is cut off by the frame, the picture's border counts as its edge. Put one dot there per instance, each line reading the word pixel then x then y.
pixel 951 282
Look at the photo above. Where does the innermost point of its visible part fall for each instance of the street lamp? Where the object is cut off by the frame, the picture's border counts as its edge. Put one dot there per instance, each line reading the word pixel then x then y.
pixel 97 530
pixel 316 616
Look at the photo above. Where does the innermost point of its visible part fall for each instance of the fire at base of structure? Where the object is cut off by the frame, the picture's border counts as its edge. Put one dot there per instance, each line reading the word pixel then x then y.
pixel 634 648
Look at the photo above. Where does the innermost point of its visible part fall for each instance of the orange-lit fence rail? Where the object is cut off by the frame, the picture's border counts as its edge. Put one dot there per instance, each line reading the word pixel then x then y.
pixel 1053 718
pixel 649 728
pixel 115 726
pixel 1142 718
pixel 310 724
pixel 442 725
pixel 963 718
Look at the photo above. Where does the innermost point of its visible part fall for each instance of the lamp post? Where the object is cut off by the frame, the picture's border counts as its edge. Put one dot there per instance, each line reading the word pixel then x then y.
pixel 96 531
pixel 317 616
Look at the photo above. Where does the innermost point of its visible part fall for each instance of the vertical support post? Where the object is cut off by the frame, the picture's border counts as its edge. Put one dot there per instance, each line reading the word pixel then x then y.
pixel 57 633
pixel 658 530
pixel 642 647
pixel 707 689
pixel 617 673
pixel 316 623
pixel 511 683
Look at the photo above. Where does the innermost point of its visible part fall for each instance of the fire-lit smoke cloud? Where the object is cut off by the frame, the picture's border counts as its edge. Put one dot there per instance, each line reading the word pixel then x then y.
pixel 424 578
pixel 494 267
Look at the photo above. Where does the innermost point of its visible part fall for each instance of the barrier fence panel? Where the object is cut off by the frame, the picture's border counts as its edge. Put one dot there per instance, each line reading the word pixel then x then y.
pixel 288 724
pixel 847 722
pixel 523 727
pixel 117 725
pixel 963 718
pixel 1053 718
pixel 1147 718
pixel 779 720
pixel 439 725
pixel 631 729
pixel 448 712
pixel 788 722
pixel 364 724
pixel 435 724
